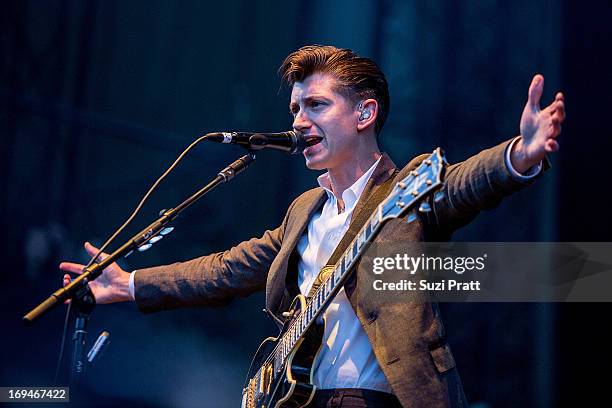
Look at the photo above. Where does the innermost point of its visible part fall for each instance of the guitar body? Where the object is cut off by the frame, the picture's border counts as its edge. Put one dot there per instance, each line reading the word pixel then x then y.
pixel 290 384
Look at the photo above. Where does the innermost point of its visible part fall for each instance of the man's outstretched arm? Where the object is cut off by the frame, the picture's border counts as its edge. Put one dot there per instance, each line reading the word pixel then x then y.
pixel 482 181
pixel 210 280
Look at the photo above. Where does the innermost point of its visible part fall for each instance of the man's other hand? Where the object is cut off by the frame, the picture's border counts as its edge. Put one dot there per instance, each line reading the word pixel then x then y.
pixel 539 128
pixel 110 287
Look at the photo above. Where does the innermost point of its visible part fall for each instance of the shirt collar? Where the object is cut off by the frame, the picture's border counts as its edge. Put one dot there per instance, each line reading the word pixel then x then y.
pixel 351 194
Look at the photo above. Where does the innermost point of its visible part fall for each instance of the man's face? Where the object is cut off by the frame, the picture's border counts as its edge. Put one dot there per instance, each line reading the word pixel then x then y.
pixel 327 119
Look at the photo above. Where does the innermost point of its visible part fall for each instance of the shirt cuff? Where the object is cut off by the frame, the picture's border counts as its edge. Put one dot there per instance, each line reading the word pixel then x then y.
pixel 131 285
pixel 529 173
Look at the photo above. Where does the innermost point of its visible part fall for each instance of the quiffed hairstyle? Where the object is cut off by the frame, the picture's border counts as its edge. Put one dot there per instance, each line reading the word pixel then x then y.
pixel 358 78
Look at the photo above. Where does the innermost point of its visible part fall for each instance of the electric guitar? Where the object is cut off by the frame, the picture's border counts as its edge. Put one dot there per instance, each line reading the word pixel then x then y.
pixel 281 373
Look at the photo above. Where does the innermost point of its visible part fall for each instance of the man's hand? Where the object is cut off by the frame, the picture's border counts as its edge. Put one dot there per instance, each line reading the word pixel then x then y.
pixel 539 128
pixel 110 287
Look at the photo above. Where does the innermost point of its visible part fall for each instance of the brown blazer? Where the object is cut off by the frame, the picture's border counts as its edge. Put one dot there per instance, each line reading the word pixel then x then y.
pixel 408 339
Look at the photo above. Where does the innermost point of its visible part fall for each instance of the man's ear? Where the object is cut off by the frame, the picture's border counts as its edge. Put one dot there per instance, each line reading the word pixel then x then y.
pixel 368 112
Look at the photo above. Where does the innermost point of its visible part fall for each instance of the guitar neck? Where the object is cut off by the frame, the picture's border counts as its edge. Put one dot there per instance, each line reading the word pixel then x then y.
pixel 332 284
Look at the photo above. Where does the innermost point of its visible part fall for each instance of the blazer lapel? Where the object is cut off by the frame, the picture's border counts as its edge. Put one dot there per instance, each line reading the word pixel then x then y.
pixel 277 291
pixel 382 172
pixel 301 214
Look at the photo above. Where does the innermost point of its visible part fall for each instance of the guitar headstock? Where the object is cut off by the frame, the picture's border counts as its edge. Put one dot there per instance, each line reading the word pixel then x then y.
pixel 426 179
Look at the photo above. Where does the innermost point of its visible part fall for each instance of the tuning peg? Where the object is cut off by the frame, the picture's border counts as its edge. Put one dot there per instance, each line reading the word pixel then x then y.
pixel 438 196
pixel 144 247
pixel 166 230
pixel 424 207
pixel 412 216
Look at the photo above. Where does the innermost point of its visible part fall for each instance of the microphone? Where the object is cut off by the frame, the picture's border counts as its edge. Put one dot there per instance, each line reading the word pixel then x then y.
pixel 290 142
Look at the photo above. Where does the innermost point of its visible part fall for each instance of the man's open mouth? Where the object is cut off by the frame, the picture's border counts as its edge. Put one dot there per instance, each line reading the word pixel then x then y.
pixel 313 140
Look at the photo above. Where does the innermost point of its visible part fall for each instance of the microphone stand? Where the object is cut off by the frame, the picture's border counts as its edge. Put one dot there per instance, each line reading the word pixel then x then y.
pixel 78 290
pixel 83 303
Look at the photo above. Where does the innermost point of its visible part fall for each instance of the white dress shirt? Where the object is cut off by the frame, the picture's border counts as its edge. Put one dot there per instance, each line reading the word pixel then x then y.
pixel 346 359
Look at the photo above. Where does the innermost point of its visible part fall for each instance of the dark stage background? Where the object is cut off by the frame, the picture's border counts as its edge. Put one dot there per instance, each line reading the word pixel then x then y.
pixel 98 97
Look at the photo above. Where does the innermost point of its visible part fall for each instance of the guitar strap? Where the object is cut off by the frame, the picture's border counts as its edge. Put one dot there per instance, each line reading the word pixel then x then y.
pixel 357 222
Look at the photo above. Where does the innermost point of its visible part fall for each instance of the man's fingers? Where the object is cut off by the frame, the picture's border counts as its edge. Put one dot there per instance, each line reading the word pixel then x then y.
pixel 551 146
pixel 71 267
pixel 67 280
pixel 556 105
pixel 559 113
pixel 558 118
pixel 535 92
pixel 92 250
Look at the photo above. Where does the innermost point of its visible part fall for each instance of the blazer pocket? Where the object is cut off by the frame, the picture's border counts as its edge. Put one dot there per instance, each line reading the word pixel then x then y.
pixel 443 358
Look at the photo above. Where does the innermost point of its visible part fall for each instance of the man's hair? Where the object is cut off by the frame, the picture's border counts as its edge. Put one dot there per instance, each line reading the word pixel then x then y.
pixel 358 78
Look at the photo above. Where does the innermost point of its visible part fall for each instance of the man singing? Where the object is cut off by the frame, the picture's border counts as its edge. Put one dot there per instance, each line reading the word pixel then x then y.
pixel 372 355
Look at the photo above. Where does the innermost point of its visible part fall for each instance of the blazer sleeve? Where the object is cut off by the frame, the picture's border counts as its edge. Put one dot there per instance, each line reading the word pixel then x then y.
pixel 476 184
pixel 212 280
